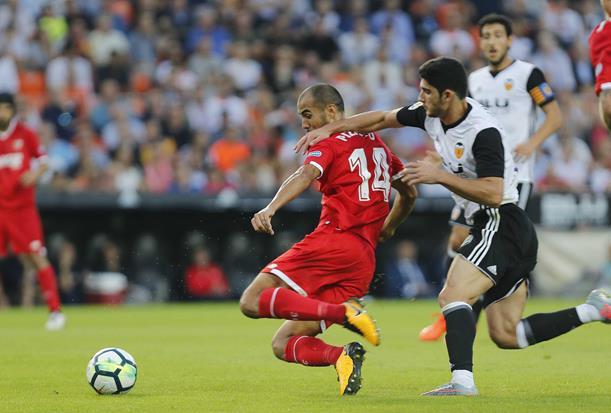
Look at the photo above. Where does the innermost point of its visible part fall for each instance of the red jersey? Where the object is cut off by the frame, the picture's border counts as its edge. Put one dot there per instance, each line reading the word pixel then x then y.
pixel 356 173
pixel 18 146
pixel 600 54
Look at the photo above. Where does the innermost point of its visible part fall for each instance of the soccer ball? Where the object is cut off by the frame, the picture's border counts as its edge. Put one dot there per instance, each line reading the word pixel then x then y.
pixel 112 371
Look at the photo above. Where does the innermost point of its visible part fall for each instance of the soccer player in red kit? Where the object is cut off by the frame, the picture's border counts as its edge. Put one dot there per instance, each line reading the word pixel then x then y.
pixel 20 226
pixel 600 56
pixel 317 282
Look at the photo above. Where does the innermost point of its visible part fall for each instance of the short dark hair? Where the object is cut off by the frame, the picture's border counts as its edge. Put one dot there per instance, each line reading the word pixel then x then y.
pixel 324 94
pixel 445 73
pixel 9 98
pixel 494 18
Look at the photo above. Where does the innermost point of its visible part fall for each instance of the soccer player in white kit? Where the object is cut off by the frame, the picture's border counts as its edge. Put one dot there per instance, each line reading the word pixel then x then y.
pixel 513 91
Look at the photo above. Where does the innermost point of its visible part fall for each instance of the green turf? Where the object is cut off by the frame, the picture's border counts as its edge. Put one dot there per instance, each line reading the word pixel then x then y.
pixel 209 358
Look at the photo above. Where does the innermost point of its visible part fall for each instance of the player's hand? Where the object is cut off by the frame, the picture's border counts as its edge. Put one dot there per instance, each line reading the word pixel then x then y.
pixel 386 234
pixel 421 172
pixel 262 221
pixel 523 151
pixel 311 138
pixel 28 178
pixel 433 157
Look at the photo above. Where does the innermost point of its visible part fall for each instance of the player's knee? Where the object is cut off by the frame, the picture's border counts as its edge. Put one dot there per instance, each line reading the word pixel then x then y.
pixel 279 346
pixel 249 304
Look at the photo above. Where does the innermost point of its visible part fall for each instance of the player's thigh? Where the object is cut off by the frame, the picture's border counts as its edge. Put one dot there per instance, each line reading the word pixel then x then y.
pixel 503 317
pixel 291 329
pixel 250 297
pixel 458 235
pixel 465 282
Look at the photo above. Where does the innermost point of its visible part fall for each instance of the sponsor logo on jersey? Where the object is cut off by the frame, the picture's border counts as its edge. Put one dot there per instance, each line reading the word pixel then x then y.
pixel 17 144
pixel 316 154
pixel 11 160
pixel 415 106
pixel 508 84
pixel 459 150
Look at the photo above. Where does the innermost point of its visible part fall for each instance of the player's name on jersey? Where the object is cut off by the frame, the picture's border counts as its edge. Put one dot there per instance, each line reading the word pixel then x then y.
pixel 344 136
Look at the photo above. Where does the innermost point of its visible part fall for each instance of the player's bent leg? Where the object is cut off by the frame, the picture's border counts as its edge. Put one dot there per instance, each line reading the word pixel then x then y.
pixel 503 318
pixel 249 301
pixel 264 298
pixel 542 327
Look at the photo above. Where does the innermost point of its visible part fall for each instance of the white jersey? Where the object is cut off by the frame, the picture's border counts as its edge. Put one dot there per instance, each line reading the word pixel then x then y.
pixel 512 96
pixel 471 148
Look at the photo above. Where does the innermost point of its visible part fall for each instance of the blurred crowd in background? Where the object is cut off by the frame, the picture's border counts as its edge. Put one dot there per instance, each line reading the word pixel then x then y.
pixel 188 96
pixel 185 96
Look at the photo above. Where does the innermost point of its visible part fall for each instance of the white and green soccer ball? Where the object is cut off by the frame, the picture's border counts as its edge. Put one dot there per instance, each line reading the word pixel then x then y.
pixel 112 371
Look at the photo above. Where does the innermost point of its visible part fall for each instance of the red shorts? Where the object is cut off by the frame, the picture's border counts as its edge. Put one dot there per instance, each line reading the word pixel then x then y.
pixel 22 230
pixel 603 75
pixel 328 265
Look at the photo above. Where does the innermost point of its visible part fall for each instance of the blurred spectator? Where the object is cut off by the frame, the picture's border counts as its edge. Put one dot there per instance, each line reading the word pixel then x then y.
pixel 244 71
pixel 569 164
pixel 453 40
pixel 70 70
pixel 226 153
pixel 359 45
pixel 554 62
pixel 564 22
pixel 204 278
pixel 106 41
pixel 404 277
pixel 9 81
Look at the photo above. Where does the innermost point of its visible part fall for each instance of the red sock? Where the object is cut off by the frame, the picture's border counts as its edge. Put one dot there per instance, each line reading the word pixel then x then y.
pixel 287 304
pixel 48 285
pixel 311 351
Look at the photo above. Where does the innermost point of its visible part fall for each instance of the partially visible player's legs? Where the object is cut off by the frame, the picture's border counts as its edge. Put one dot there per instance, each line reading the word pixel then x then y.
pixel 604 106
pixel 48 285
pixel 269 297
pixel 464 285
pixel 508 329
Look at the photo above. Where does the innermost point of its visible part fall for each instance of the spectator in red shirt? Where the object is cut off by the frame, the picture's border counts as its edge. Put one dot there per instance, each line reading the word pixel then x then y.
pixel 205 279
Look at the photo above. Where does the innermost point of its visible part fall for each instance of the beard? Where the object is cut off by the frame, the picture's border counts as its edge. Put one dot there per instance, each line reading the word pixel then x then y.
pixel 500 59
pixel 4 124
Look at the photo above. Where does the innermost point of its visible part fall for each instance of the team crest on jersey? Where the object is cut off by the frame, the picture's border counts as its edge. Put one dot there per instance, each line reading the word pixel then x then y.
pixel 459 150
pixel 508 84
pixel 415 106
pixel 17 144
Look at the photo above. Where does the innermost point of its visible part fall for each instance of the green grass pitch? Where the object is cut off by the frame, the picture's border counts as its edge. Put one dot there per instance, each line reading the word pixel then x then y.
pixel 209 358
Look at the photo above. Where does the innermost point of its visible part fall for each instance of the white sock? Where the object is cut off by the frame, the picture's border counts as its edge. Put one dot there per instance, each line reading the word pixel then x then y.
pixel 463 377
pixel 588 313
pixel 521 336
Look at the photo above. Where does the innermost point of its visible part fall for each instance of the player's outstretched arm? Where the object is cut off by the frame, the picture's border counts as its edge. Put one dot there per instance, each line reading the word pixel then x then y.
pixel 290 189
pixel 401 208
pixel 487 190
pixel 363 122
